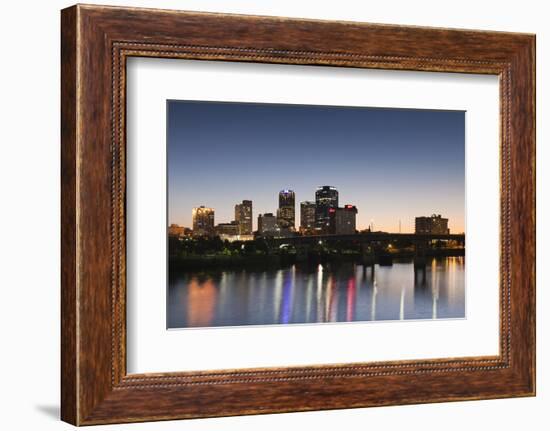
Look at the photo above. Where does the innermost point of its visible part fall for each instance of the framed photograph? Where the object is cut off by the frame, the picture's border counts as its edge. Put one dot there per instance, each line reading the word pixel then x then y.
pixel 266 215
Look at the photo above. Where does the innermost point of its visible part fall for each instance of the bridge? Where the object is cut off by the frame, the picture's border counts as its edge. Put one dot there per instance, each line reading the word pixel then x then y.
pixel 369 242
pixel 368 237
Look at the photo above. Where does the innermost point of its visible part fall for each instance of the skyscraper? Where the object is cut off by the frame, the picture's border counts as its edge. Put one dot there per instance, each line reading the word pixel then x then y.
pixel 307 217
pixel 326 197
pixel 203 221
pixel 286 211
pixel 243 217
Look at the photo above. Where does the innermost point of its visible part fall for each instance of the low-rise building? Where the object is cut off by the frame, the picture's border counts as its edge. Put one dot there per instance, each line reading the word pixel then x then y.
pixel 434 224
pixel 267 224
pixel 343 220
pixel 175 230
pixel 231 228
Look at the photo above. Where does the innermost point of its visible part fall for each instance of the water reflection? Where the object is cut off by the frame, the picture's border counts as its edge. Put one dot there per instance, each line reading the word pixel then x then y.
pixel 345 292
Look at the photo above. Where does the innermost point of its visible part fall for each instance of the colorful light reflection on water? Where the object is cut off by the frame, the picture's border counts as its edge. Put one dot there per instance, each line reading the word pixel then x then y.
pixel 343 292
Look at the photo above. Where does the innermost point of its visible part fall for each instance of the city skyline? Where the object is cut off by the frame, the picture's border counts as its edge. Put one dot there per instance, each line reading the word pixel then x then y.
pixel 392 164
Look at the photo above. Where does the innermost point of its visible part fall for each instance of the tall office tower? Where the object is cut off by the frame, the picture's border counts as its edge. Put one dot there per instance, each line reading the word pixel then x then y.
pixel 434 224
pixel 326 197
pixel 203 221
pixel 307 217
pixel 342 220
pixel 243 217
pixel 286 211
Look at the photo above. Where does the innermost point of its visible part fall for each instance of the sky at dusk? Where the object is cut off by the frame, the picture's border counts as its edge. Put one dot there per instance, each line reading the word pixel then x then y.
pixel 392 164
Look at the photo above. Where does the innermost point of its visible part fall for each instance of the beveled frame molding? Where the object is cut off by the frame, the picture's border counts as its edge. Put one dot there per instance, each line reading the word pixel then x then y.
pixel 96 41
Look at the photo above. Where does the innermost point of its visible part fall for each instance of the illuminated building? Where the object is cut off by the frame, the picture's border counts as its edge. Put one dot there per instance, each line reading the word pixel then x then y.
pixel 342 220
pixel 203 221
pixel 326 197
pixel 286 211
pixel 230 232
pixel 267 224
pixel 434 224
pixel 243 217
pixel 176 230
pixel 231 228
pixel 307 217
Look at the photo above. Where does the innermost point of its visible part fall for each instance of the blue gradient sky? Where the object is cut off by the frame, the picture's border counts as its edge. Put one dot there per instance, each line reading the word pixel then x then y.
pixel 393 164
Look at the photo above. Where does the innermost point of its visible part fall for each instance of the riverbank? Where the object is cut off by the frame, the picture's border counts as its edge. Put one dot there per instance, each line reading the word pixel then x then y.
pixel 222 261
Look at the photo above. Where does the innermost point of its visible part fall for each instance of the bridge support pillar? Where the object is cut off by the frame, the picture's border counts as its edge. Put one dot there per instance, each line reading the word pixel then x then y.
pixel 367 255
pixel 272 247
pixel 302 253
pixel 420 260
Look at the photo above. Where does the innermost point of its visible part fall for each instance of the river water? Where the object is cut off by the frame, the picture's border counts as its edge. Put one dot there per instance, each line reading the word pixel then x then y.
pixel 343 292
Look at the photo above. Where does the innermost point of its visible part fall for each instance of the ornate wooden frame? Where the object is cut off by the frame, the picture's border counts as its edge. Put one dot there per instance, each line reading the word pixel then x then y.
pixel 95 42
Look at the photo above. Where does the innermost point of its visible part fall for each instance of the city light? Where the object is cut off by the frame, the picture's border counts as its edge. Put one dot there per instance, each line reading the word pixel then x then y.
pixel 322 216
pixel 286 232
